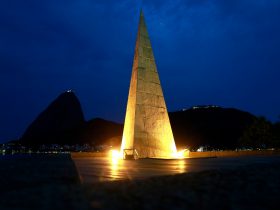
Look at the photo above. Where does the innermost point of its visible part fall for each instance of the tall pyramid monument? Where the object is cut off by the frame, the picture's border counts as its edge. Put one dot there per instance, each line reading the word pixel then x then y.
pixel 147 127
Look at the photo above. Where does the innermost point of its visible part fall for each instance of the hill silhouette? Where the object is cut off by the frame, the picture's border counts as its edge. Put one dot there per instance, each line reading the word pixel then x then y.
pixel 62 122
pixel 57 123
pixel 209 125
pixel 100 132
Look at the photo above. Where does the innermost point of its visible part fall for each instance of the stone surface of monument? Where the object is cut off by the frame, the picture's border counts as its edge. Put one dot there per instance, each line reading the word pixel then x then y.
pixel 147 128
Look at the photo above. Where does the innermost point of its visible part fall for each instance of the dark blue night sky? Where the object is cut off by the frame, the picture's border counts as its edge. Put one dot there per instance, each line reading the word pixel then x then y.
pixel 218 52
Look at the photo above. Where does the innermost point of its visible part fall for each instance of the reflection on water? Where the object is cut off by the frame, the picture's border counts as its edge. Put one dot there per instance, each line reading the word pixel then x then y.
pixel 108 169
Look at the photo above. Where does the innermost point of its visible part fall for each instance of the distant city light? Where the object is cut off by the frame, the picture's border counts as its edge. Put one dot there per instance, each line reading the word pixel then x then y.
pixel 115 155
pixel 200 149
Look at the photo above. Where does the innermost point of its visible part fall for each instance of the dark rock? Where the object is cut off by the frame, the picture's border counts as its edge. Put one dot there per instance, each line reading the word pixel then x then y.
pixel 57 123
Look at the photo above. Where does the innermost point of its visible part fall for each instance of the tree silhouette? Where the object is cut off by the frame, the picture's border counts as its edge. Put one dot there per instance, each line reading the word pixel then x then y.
pixel 276 135
pixel 258 135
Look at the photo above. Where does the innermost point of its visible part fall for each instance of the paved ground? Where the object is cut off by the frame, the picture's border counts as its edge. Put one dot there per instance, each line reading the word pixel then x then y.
pixel 52 182
pixel 255 187
pixel 93 170
pixel 40 182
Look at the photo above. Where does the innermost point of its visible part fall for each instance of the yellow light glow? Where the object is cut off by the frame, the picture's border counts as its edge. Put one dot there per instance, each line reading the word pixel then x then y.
pixel 181 154
pixel 181 166
pixel 116 162
pixel 115 154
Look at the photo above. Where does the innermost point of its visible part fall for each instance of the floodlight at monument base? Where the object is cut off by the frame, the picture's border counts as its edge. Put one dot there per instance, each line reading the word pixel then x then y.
pixel 116 155
pixel 181 154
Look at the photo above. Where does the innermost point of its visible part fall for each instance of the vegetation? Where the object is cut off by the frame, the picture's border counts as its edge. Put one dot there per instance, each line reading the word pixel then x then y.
pixel 261 134
pixel 276 135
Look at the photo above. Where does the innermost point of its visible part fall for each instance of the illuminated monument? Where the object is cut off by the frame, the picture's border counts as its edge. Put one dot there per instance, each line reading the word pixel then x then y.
pixel 147 127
